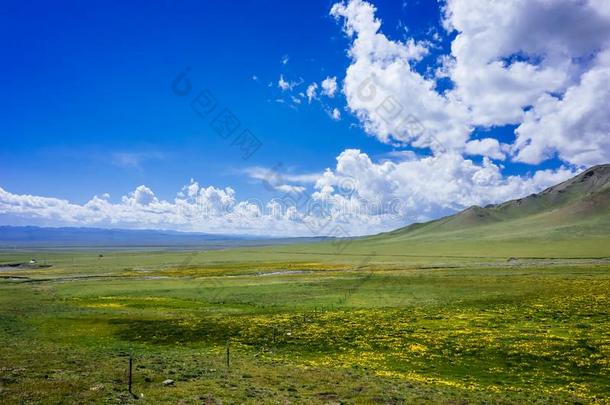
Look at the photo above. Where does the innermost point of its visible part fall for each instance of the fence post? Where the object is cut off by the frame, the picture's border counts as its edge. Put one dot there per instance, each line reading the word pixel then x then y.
pixel 228 356
pixel 130 372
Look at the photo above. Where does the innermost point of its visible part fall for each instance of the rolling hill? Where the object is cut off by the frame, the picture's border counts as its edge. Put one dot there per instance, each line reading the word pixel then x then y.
pixel 570 219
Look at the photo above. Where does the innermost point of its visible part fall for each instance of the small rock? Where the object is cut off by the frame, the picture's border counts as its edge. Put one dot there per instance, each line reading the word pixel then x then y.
pixel 169 382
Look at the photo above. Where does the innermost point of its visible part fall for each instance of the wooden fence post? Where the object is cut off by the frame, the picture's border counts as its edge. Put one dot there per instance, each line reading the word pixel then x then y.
pixel 130 373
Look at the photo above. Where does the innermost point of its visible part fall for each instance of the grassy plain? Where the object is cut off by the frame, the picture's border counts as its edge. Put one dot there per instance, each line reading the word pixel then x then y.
pixel 304 325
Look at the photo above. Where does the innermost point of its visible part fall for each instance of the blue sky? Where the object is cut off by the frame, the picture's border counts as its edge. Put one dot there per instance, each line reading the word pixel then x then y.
pixel 90 82
pixel 88 106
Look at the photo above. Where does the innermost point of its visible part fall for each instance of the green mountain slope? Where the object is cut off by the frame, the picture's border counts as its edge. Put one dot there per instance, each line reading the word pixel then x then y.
pixel 571 219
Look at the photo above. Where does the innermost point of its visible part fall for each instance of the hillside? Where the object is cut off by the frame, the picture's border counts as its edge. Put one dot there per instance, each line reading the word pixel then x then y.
pixel 569 219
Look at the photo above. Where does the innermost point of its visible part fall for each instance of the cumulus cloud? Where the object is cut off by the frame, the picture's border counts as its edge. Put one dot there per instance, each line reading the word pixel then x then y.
pixel 539 65
pixel 142 195
pixel 576 127
pixel 489 147
pixel 329 86
pixel 392 100
pixel 424 188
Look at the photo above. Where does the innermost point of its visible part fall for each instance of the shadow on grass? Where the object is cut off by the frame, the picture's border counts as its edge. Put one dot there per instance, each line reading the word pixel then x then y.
pixel 166 332
pixel 215 331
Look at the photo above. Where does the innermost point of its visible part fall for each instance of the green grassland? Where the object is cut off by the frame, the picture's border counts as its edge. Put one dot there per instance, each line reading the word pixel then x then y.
pixel 304 324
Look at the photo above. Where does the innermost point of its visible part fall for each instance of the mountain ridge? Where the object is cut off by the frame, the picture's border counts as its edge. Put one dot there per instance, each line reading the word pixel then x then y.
pixel 569 219
pixel 590 188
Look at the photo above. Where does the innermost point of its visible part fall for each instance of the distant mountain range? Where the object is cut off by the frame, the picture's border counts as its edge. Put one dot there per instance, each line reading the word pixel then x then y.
pixel 31 236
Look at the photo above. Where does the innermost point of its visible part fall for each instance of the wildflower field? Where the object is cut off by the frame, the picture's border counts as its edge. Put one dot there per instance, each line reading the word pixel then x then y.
pixel 297 330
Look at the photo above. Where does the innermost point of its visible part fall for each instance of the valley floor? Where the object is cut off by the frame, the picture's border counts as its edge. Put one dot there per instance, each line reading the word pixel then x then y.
pixel 302 328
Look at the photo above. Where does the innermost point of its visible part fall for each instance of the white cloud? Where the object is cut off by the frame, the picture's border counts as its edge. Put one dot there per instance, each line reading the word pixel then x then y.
pixel 335 114
pixel 290 189
pixel 393 101
pixel 275 179
pixel 404 155
pixel 329 86
pixel 271 174
pixel 311 91
pixel 359 195
pixel 489 147
pixel 142 195
pixel 537 64
pixel 283 84
pixel 576 127
pixel 286 85
pixel 507 54
pixel 424 188
pixel 415 51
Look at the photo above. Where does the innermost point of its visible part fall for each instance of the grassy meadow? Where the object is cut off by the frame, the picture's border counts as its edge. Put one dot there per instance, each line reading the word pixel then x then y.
pixel 303 327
